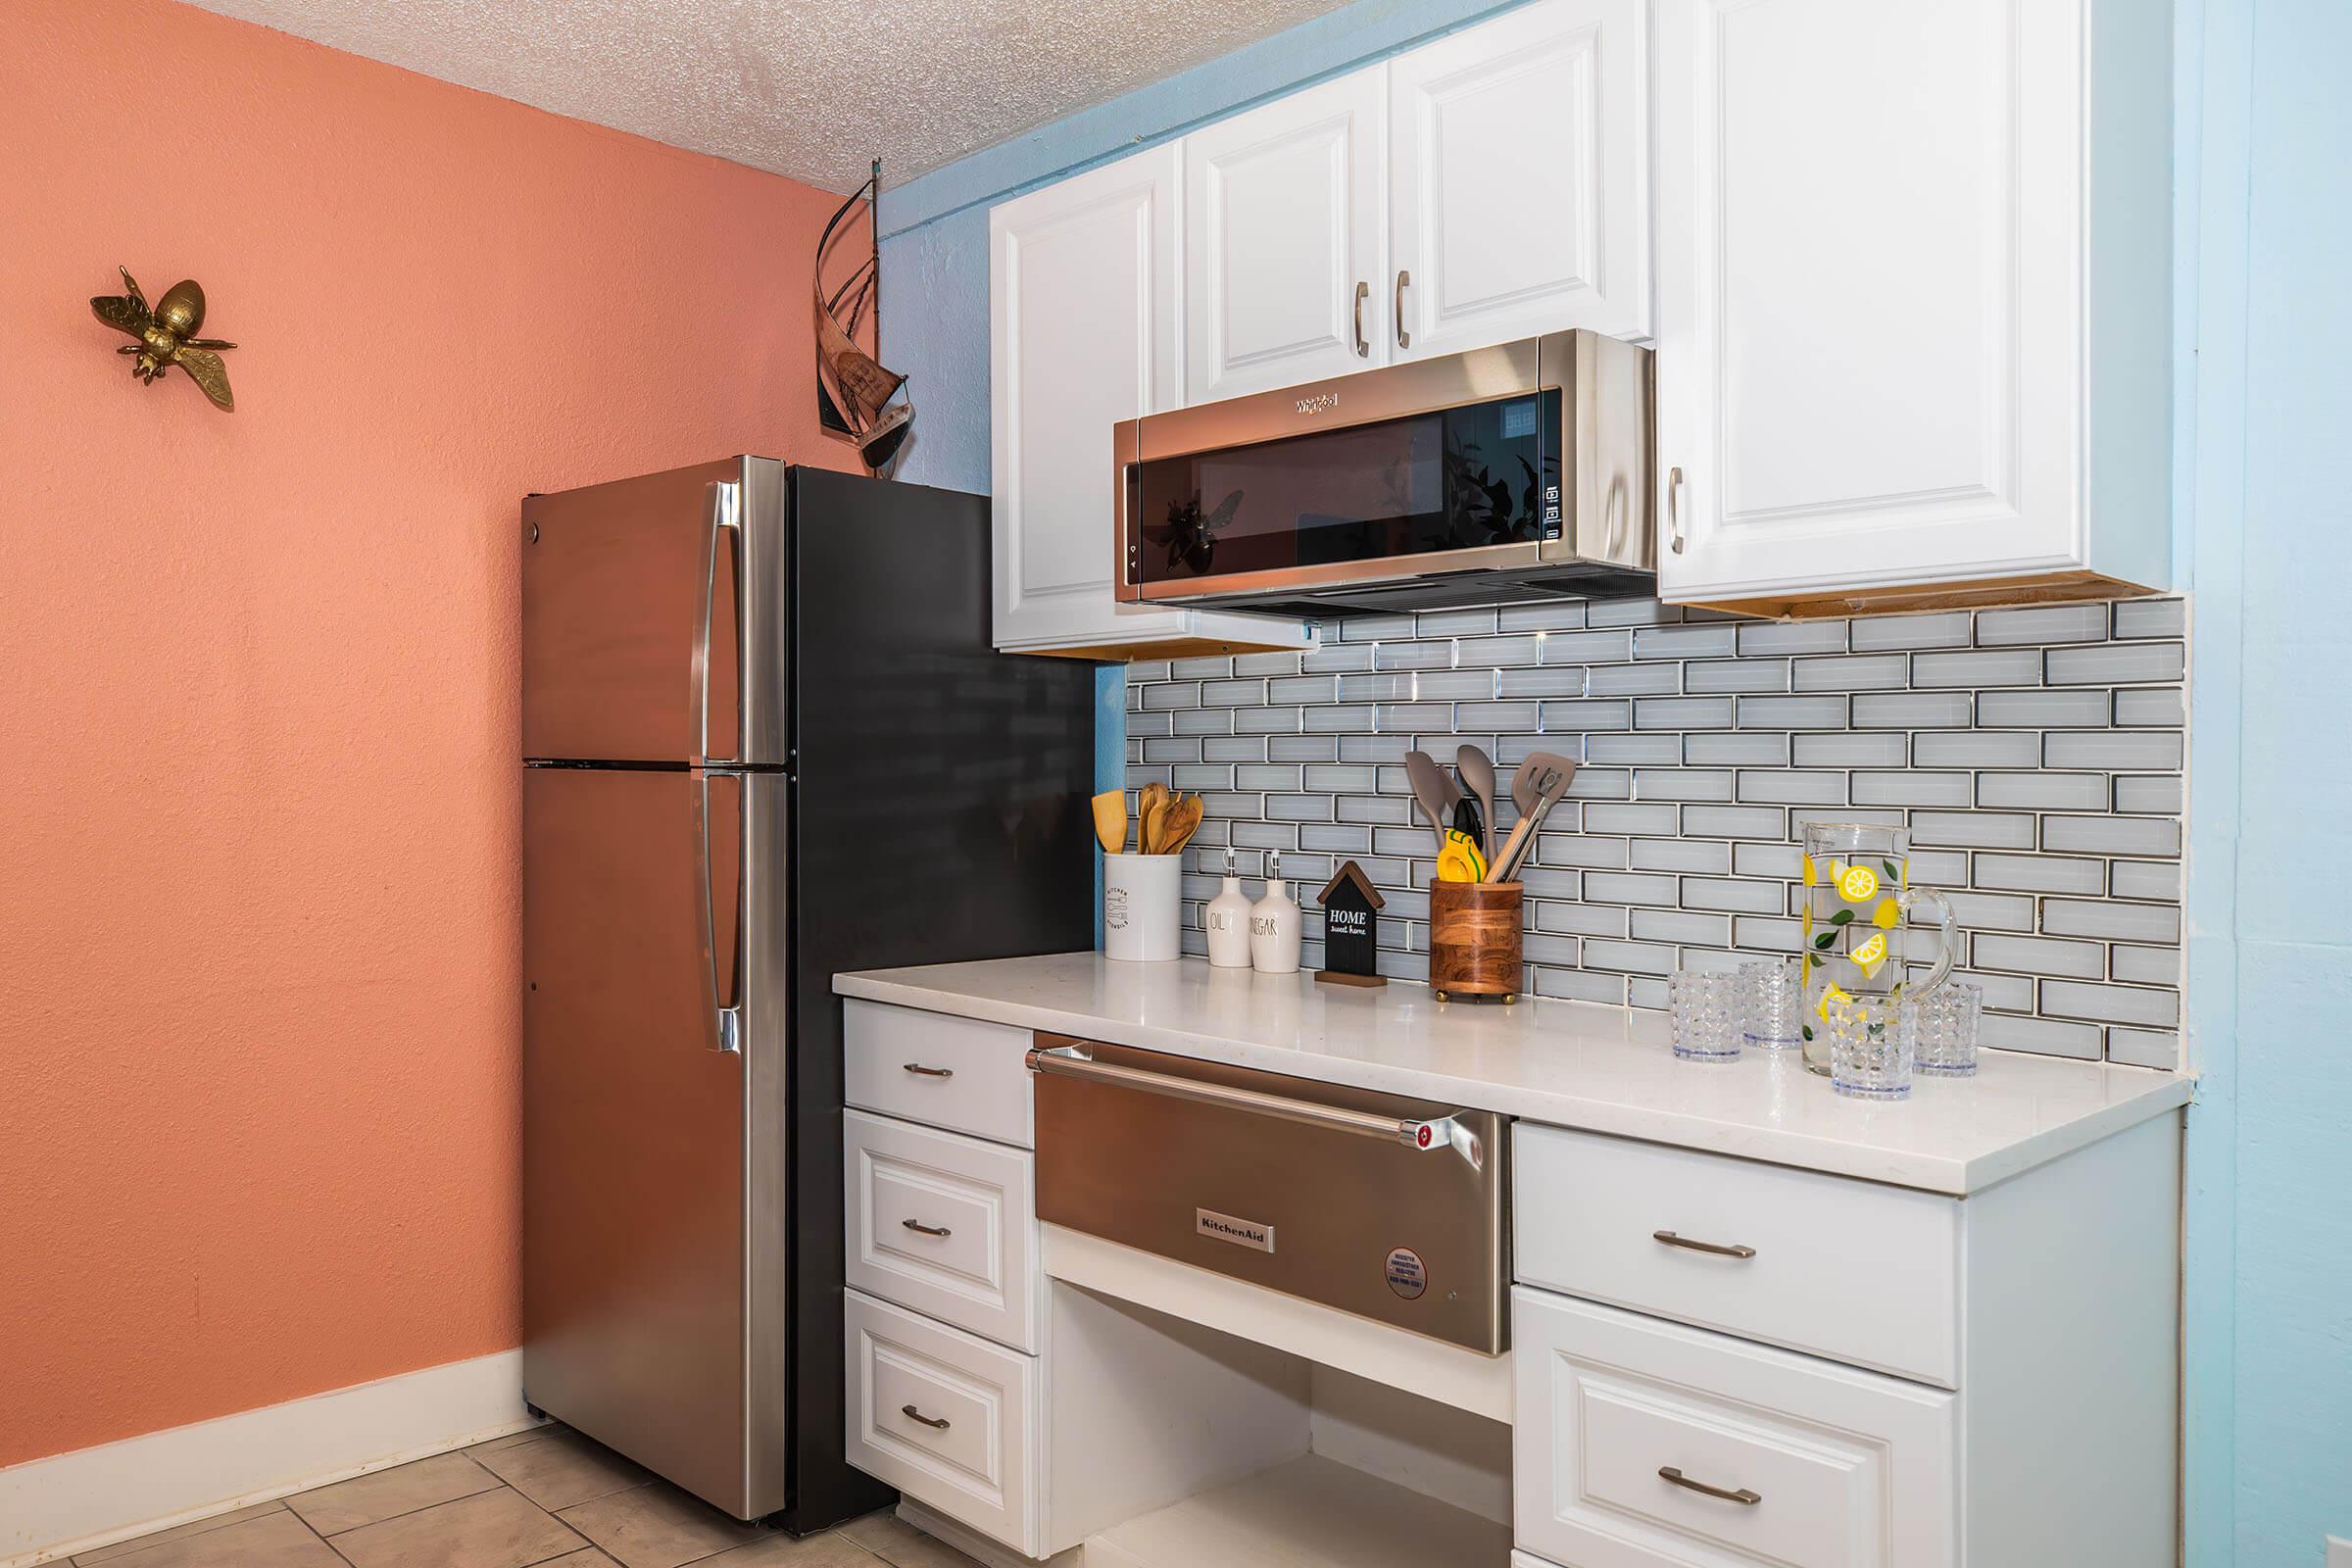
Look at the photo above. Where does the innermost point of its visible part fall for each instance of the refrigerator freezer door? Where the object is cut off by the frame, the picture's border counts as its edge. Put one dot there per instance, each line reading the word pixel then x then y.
pixel 641 600
pixel 654 1268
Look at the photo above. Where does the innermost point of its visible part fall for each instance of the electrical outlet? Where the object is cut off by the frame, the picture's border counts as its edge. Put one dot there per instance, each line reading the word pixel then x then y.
pixel 2339 1552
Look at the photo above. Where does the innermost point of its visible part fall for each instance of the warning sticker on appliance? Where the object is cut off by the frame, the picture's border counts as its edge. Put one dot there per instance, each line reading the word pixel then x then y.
pixel 1405 1274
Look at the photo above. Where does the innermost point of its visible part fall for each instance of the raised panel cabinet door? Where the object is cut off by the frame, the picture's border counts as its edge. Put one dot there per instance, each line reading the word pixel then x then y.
pixel 1083 333
pixel 1870 265
pixel 1518 185
pixel 1284 241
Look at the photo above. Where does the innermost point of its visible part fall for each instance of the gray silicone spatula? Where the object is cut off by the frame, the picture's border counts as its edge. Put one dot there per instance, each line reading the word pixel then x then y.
pixel 1434 788
pixel 1527 779
pixel 1478 778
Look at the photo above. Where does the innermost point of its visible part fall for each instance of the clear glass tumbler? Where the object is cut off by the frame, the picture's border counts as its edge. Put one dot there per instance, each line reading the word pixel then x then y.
pixel 1948 1017
pixel 1773 1003
pixel 1873 1045
pixel 1707 1014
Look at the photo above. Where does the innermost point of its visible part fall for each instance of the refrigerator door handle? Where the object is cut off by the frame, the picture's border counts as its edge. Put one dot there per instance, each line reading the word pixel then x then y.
pixel 723 509
pixel 726 1011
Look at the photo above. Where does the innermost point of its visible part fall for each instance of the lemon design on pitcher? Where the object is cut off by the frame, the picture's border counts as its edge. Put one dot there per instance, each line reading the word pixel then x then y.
pixel 1888 914
pixel 1857 883
pixel 1871 955
pixel 1828 993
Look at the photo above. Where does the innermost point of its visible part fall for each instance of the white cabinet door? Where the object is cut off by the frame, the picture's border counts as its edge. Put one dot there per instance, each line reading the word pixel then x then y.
pixel 1869 324
pixel 1083 315
pixel 1518 183
pixel 1284 241
pixel 1083 312
pixel 1644 1445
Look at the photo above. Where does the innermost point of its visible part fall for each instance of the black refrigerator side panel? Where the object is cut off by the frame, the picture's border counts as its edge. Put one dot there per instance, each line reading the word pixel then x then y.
pixel 939 814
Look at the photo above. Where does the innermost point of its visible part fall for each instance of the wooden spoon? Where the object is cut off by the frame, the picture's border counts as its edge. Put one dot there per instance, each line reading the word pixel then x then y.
pixel 1110 820
pixel 1178 824
pixel 1149 802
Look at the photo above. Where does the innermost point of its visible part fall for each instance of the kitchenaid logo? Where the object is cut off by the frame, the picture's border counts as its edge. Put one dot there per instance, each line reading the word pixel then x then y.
pixel 1320 402
pixel 1240 1232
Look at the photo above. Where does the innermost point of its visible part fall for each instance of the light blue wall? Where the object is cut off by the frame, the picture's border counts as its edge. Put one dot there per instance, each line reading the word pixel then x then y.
pixel 2263 494
pixel 2270 802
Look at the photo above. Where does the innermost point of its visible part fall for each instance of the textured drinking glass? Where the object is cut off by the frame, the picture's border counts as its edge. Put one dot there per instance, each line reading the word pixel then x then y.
pixel 1874 1044
pixel 1773 1001
pixel 1947 1029
pixel 1857 902
pixel 1707 1014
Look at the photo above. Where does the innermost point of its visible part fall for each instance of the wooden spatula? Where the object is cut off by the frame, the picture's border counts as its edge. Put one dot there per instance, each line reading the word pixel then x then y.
pixel 1110 820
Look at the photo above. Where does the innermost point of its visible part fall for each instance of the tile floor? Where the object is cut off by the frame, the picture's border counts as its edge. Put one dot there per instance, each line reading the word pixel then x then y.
pixel 547 1497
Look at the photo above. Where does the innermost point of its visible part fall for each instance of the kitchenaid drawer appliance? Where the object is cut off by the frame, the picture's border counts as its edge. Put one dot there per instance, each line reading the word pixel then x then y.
pixel 1387 1208
pixel 729 678
pixel 1504 475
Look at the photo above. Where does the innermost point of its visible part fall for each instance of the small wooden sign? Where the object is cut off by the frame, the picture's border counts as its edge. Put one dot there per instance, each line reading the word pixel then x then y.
pixel 1351 907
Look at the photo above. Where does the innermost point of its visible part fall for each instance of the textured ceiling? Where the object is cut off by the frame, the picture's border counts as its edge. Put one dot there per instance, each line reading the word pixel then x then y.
pixel 801 89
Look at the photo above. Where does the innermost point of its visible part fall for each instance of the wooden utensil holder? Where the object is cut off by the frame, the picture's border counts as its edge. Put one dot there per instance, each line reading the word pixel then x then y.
pixel 1474 940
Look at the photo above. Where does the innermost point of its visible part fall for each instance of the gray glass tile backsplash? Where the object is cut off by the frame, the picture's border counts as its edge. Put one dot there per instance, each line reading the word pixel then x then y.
pixel 2036 755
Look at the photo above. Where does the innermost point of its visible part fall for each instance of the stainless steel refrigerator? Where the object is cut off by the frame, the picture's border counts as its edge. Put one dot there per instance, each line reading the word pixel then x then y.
pixel 765 740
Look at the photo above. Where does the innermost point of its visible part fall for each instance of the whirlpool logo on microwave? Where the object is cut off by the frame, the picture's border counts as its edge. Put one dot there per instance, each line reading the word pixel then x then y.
pixel 1320 402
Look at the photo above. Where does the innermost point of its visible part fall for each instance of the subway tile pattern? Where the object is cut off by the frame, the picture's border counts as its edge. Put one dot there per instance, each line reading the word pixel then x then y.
pixel 2034 753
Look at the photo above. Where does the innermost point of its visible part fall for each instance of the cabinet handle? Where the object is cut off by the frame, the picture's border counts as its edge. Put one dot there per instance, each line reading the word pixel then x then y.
pixel 1404 339
pixel 1716 1247
pixel 1674 508
pixel 921 1071
pixel 1363 344
pixel 918 1227
pixel 940 1423
pixel 1666 1472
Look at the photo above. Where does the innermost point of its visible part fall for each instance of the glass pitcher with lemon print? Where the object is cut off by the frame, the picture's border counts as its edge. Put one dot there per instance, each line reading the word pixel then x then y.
pixel 1857 901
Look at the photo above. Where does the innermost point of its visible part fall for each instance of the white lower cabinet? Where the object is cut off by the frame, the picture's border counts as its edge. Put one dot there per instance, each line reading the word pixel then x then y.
pixel 947 1417
pixel 945 1224
pixel 2034 1325
pixel 1639 1442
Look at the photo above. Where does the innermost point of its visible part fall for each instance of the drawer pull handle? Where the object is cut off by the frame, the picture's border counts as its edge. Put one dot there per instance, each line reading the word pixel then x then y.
pixel 940 1423
pixel 1690 1245
pixel 921 1071
pixel 1666 1472
pixel 920 1228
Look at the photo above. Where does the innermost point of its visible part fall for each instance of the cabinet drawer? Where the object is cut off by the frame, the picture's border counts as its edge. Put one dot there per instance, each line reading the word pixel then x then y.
pixel 1826 1466
pixel 944 1224
pixel 1847 1269
pixel 957 1073
pixel 978 1464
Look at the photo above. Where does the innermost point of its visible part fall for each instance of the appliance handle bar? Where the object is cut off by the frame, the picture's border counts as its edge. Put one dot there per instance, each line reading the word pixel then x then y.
pixel 727 1016
pixel 720 509
pixel 1443 1132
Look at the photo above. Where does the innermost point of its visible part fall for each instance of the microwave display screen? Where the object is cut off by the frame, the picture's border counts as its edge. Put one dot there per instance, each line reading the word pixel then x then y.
pixel 1457 478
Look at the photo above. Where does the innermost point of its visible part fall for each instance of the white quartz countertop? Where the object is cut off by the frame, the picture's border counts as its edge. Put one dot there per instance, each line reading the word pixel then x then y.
pixel 1566 1064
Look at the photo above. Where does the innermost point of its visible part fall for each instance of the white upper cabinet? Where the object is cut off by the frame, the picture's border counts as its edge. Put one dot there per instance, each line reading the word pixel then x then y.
pixel 1913 301
pixel 1284 241
pixel 1518 198
pixel 1083 319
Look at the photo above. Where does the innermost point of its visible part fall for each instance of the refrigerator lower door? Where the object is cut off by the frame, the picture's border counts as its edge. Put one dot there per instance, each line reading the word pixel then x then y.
pixel 655 1222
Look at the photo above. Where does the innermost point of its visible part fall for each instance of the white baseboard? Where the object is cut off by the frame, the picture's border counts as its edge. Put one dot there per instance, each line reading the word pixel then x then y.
pixel 988 1553
pixel 93 1497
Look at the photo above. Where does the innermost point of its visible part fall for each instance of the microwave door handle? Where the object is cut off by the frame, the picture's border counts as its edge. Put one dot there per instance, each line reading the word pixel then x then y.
pixel 1428 1136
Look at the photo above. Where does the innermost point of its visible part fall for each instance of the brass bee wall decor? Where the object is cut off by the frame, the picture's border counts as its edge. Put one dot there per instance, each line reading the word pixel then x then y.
pixel 166 335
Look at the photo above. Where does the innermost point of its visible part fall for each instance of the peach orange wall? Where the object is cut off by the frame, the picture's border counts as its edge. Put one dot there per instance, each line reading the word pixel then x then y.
pixel 259 1041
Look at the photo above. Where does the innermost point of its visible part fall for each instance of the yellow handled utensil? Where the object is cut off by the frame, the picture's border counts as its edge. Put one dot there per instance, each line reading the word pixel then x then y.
pixel 1110 820
pixel 1461 861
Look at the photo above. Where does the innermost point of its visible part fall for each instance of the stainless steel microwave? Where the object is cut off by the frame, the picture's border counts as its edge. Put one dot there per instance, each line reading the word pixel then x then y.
pixel 1507 475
